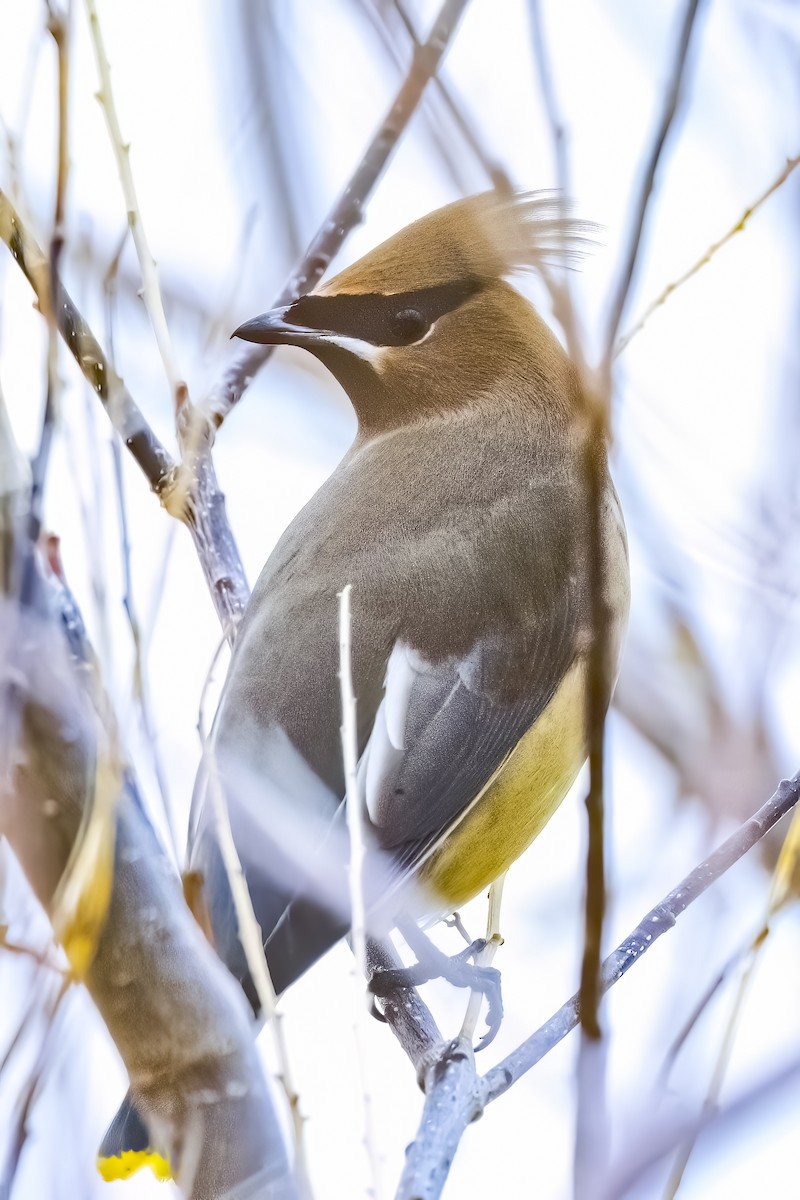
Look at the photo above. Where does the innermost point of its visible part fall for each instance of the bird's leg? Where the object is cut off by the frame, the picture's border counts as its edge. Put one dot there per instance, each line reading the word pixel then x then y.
pixel 461 970
pixel 484 960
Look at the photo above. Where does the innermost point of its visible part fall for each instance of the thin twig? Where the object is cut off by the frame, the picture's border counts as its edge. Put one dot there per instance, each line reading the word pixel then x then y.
pixel 662 297
pixel 140 689
pixel 250 937
pixel 147 264
pixel 590 1115
pixel 494 172
pixel 44 1056
pixel 554 117
pixel 559 287
pixel 58 27
pixel 671 99
pixel 355 878
pixel 641 1155
pixel 650 928
pixel 348 209
pixel 779 892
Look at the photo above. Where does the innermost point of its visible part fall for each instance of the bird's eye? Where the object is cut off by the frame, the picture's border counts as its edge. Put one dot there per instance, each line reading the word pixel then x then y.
pixel 409 325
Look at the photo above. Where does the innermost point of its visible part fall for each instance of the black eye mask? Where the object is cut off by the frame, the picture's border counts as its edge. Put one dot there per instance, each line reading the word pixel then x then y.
pixel 382 320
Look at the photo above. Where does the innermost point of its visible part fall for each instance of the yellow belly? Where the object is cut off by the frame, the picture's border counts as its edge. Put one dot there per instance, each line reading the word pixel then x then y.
pixel 518 801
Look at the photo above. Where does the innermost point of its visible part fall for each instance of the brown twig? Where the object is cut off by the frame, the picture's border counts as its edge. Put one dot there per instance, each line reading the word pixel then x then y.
pixel 662 297
pixel 379 15
pixel 348 209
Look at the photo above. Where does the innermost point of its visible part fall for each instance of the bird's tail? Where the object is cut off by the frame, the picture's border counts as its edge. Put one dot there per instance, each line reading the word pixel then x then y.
pixel 127 1146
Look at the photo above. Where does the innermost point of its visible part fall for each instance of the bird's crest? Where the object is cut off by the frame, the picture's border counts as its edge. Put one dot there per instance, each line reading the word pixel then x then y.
pixel 483 237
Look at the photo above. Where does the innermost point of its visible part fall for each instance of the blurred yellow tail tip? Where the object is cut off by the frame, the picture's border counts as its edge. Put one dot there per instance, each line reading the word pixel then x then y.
pixel 122 1166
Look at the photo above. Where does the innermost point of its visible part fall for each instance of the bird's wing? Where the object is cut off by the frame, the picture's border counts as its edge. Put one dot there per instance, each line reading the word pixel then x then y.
pixel 443 729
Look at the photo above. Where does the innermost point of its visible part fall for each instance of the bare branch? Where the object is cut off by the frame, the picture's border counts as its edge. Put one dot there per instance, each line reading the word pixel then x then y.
pixel 204 510
pixel 151 289
pixel 671 100
pixel 125 415
pixel 650 928
pixel 662 297
pixel 453 1099
pixel 348 209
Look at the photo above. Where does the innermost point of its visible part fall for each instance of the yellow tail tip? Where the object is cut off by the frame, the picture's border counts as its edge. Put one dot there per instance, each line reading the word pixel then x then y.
pixel 128 1162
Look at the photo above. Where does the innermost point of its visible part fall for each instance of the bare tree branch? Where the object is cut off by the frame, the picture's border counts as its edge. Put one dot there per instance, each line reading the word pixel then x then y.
pixel 348 209
pixel 455 1097
pixel 650 928
pixel 147 264
pixel 671 99
pixel 662 297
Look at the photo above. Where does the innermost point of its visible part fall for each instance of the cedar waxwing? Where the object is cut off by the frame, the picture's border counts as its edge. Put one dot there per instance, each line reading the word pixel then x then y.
pixel 459 517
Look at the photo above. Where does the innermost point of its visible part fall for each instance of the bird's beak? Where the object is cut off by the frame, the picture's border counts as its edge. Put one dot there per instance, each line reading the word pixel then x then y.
pixel 272 329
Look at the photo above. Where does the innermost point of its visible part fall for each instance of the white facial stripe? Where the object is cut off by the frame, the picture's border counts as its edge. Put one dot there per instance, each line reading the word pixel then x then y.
pixel 362 349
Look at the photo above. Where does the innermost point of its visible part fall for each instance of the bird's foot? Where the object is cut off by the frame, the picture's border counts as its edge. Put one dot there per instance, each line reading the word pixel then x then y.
pixel 461 970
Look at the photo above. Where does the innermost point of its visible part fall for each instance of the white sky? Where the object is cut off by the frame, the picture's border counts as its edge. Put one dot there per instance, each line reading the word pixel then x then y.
pixel 699 388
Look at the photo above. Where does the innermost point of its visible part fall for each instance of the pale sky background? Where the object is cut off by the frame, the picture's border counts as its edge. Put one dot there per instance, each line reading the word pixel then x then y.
pixel 698 397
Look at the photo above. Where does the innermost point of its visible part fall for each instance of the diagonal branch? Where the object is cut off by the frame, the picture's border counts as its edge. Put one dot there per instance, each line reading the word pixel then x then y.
pixel 671 101
pixel 650 928
pixel 125 415
pixel 348 209
pixel 738 227
pixel 455 1097
pixel 203 511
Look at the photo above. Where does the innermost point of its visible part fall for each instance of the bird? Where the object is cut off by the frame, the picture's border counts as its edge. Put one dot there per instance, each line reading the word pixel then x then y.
pixel 459 518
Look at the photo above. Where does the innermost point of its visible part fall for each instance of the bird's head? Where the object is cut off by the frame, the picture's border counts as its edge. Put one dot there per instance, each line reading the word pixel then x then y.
pixel 426 321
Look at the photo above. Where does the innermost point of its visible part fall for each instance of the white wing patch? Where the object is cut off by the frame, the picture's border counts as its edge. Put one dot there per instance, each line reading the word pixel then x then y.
pixel 388 738
pixel 388 741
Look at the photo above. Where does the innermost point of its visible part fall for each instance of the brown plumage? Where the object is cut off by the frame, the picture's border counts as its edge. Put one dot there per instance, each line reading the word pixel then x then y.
pixel 458 517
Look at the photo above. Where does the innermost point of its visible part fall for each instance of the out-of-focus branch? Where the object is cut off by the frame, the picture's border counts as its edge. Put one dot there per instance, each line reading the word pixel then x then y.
pixel 663 296
pixel 559 287
pixel 151 289
pixel 177 1017
pixel 671 99
pixel 348 209
pixel 58 27
pixel 780 892
pixel 380 14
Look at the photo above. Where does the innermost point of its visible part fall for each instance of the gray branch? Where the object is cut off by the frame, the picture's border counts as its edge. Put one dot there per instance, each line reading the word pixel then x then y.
pixel 455 1096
